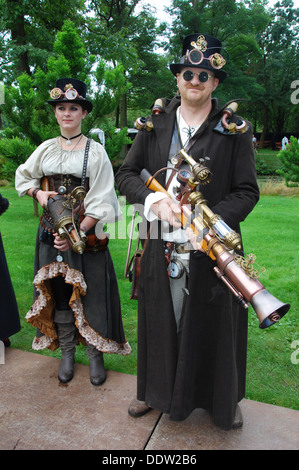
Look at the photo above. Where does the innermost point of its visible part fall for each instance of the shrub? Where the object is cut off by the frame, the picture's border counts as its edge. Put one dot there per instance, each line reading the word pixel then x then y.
pixel 13 152
pixel 290 163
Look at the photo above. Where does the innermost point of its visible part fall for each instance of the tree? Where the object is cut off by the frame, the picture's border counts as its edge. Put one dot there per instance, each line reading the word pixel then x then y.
pixel 278 68
pixel 262 53
pixel 236 25
pixel 150 77
pixel 120 34
pixel 29 118
pixel 28 29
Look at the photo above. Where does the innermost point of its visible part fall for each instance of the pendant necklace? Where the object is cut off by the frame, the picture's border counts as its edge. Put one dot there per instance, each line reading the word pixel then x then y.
pixel 68 139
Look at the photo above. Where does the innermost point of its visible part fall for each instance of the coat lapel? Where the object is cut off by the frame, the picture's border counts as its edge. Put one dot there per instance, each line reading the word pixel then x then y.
pixel 163 125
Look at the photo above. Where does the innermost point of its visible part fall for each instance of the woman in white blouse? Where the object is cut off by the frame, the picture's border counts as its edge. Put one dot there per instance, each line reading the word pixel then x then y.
pixel 76 294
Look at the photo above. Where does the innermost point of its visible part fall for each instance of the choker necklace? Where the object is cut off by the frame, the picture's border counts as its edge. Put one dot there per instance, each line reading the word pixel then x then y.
pixel 68 139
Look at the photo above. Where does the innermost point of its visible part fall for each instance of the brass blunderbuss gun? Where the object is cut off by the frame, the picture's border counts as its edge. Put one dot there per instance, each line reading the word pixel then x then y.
pixel 63 219
pixel 222 231
pixel 220 243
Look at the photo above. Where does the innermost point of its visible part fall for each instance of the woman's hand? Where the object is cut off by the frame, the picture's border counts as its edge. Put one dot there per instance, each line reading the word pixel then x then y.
pixel 61 244
pixel 43 196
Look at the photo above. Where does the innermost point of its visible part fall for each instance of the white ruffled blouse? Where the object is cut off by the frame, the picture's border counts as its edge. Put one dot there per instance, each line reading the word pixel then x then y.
pixel 50 159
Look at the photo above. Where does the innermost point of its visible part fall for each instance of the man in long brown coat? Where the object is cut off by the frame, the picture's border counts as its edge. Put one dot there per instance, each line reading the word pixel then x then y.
pixel 192 335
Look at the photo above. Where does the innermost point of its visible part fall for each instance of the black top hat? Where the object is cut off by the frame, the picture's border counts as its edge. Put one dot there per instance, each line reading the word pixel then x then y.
pixel 203 51
pixel 70 90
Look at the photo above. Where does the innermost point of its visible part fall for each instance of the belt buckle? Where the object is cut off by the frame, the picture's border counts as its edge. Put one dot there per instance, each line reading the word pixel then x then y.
pixel 182 248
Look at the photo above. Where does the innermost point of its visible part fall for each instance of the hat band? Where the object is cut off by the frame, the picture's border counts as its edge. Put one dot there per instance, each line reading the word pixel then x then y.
pixel 195 57
pixel 69 94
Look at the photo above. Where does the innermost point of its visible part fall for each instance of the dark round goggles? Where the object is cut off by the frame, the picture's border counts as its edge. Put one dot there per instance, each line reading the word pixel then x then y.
pixel 202 76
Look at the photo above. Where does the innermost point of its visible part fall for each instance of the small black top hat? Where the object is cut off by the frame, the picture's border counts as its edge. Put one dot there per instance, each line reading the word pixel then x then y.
pixel 203 51
pixel 70 90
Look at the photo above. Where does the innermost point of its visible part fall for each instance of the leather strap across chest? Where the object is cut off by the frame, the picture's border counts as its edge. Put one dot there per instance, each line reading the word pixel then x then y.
pixel 173 151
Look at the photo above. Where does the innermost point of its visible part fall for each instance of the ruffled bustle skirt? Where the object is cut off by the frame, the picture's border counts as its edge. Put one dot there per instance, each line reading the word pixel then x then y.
pixel 94 301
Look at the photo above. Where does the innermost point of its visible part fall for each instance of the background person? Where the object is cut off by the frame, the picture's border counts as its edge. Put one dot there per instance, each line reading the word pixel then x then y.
pixel 9 313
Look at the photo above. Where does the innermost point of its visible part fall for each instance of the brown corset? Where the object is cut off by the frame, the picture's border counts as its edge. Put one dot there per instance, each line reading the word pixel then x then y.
pixel 53 182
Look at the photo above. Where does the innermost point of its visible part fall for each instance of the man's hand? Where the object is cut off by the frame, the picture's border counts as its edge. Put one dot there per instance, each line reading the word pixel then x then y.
pixel 168 211
pixel 195 242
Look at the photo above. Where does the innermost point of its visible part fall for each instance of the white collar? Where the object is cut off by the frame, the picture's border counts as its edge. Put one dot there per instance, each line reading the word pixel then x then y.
pixel 185 131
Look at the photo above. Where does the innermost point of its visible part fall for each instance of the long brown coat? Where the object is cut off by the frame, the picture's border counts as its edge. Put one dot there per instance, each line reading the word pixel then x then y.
pixel 206 366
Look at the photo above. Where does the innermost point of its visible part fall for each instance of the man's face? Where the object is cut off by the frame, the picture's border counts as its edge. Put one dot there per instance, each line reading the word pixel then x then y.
pixel 194 91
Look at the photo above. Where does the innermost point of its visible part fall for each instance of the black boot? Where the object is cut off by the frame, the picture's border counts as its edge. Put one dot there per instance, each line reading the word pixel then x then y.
pixel 96 365
pixel 67 336
pixel 66 369
pixel 238 419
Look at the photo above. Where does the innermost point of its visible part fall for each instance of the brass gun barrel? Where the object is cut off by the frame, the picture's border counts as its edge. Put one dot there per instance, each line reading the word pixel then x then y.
pixel 246 289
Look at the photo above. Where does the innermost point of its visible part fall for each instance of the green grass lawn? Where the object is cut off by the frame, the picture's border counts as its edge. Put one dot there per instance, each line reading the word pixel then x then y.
pixel 270 232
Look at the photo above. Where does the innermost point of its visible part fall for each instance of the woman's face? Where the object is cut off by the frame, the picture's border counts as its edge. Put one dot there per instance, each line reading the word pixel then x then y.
pixel 69 117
